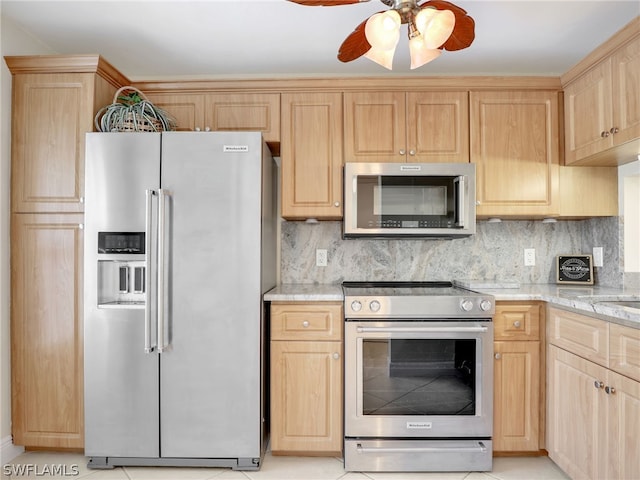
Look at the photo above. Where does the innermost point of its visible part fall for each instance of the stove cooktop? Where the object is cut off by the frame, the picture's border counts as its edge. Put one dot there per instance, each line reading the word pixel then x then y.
pixel 439 300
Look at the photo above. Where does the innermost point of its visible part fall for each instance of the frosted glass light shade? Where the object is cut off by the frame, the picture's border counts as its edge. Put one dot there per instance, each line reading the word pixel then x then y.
pixel 435 26
pixel 381 57
pixel 383 30
pixel 420 54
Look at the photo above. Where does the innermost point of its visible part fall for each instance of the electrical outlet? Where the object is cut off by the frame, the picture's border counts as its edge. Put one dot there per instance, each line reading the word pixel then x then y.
pixel 529 257
pixel 598 260
pixel 321 257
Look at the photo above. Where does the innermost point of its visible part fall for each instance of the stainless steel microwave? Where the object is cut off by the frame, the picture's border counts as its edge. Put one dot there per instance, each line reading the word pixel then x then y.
pixel 409 200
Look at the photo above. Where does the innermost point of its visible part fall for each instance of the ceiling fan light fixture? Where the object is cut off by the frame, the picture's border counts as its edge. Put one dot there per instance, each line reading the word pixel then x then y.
pixel 382 30
pixel 435 26
pixel 381 57
pixel 420 54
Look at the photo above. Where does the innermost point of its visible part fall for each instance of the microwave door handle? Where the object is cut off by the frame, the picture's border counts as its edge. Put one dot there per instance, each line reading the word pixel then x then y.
pixel 460 181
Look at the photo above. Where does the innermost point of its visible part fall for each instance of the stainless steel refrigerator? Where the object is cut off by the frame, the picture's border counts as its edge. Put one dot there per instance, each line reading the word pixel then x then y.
pixel 180 245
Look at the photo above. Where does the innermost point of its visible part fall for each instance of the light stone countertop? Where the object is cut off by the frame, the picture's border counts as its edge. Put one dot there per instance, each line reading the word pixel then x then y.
pixel 585 299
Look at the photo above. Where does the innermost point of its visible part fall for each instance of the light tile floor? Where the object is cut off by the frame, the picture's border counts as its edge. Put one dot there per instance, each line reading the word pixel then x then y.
pixel 273 468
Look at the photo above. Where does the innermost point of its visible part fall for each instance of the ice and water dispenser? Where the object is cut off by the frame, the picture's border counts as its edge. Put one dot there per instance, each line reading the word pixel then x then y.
pixel 121 270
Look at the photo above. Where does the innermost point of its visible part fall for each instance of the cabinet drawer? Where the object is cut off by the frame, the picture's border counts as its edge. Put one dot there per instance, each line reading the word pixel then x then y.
pixel 303 321
pixel 585 336
pixel 517 321
pixel 624 350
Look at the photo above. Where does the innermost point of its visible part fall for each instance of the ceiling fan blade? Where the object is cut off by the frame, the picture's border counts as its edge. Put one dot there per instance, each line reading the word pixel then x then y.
pixel 355 45
pixel 464 31
pixel 326 3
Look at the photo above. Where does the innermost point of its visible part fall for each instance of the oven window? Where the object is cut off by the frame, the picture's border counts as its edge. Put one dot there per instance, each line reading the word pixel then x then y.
pixel 418 377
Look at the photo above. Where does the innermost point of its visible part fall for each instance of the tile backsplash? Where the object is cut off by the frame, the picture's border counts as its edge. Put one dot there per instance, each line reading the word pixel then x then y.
pixel 494 253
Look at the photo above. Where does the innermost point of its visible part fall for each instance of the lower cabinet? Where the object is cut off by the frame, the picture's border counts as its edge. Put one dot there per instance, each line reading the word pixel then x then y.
pixel 46 330
pixel 518 393
pixel 306 378
pixel 593 411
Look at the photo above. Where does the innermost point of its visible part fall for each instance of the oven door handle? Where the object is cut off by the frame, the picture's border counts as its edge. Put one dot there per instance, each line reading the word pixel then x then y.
pixel 360 449
pixel 422 329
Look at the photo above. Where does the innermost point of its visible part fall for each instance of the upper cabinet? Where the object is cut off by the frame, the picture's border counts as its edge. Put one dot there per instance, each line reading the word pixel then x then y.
pixel 514 144
pixel 51 114
pixel 602 106
pixel 311 157
pixel 406 127
pixel 225 112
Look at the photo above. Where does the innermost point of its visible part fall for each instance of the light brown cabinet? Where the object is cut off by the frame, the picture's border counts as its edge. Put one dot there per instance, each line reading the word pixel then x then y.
pixel 514 144
pixel 224 112
pixel 592 409
pixel 518 386
pixel 46 330
pixel 602 110
pixel 51 112
pixel 311 156
pixel 406 127
pixel 306 378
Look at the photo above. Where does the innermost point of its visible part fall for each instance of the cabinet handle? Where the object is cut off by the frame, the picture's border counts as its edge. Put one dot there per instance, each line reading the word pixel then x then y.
pixel 609 390
pixel 498 356
pixel 402 152
pixel 517 324
pixel 412 152
pixel 305 324
pixel 614 130
pixel 336 204
pixel 336 356
pixel 598 384
pixel 605 134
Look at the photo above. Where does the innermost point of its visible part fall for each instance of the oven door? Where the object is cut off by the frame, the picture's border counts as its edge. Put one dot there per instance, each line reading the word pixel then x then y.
pixel 419 379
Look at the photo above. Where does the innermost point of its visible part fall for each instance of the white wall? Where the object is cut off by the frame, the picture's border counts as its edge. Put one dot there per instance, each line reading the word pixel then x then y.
pixel 629 201
pixel 13 41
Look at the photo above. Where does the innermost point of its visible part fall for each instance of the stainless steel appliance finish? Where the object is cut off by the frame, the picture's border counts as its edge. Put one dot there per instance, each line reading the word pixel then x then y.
pixel 418 377
pixel 173 315
pixel 409 200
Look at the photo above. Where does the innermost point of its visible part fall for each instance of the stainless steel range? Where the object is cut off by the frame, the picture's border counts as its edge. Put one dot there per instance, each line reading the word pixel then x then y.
pixel 418 377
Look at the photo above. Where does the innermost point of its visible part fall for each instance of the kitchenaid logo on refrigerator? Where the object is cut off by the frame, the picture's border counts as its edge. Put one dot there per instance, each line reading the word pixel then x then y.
pixel 235 148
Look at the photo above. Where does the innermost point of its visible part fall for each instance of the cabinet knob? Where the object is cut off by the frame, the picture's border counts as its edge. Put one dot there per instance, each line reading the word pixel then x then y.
pixel 402 152
pixel 517 324
pixel 614 130
pixel 598 384
pixel 305 324
pixel 605 134
pixel 609 390
pixel 197 129
pixel 81 199
pixel 477 202
pixel 81 226
pixel 336 204
pixel 498 356
pixel 336 356
pixel 207 129
pixel 412 152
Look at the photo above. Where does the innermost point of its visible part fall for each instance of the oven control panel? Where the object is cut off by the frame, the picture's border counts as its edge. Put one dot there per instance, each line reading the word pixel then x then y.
pixel 473 306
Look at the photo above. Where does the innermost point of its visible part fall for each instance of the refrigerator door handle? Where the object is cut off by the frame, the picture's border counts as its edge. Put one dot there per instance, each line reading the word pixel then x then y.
pixel 148 340
pixel 162 256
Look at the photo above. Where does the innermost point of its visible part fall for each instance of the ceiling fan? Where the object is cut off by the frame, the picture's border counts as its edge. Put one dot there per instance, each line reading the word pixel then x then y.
pixel 433 26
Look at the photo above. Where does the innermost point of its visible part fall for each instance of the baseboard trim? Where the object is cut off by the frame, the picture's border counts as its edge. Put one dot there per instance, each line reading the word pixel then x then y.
pixel 9 451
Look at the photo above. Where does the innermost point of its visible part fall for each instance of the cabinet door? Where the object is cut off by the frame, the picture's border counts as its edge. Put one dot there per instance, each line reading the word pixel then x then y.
pixel 311 155
pixel 514 143
pixel 624 415
pixel 625 66
pixel 46 331
pixel 375 127
pixel 51 114
pixel 516 396
pixel 517 321
pixel 588 115
pixel 187 109
pixel 438 127
pixel 577 415
pixel 306 399
pixel 255 112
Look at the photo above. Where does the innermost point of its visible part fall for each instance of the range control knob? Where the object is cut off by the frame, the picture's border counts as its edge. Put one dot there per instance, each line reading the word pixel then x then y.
pixel 374 306
pixel 485 305
pixel 466 305
pixel 356 306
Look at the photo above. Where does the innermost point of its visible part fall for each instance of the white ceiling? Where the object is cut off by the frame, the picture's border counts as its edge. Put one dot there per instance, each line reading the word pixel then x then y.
pixel 147 39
